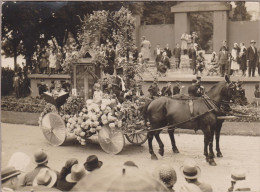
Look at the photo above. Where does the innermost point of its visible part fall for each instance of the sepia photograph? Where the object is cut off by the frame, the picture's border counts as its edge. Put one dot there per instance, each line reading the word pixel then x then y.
pixel 130 96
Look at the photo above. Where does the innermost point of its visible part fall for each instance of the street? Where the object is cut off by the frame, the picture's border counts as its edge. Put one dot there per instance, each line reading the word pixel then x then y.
pixel 238 151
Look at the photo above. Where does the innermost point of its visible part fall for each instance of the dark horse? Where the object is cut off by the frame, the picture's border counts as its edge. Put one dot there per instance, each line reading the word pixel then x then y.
pixel 169 111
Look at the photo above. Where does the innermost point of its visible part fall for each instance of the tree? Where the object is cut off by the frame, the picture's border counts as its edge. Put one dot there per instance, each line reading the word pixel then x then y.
pixel 240 12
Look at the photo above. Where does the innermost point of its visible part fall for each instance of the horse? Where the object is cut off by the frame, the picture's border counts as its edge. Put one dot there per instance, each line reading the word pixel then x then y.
pixel 200 114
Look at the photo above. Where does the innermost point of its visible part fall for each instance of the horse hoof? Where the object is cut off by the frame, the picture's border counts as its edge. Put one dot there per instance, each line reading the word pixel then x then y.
pixel 213 154
pixel 161 152
pixel 176 150
pixel 154 157
pixel 212 163
pixel 219 155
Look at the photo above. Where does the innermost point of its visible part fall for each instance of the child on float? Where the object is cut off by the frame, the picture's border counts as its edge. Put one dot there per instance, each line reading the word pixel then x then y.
pixel 98 94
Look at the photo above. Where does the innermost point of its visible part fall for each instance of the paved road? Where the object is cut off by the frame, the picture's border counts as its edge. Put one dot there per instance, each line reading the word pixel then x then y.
pixel 238 151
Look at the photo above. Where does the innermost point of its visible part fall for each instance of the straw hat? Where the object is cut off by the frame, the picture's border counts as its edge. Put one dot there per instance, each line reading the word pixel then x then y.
pixel 190 170
pixel 8 173
pixel 238 174
pixel 77 173
pixel 46 177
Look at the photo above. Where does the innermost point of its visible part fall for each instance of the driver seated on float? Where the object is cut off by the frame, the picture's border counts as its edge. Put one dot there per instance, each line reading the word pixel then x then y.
pixel 57 91
pixel 193 89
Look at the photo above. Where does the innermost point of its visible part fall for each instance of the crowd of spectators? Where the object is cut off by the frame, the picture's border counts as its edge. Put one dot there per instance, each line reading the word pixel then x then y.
pixel 75 176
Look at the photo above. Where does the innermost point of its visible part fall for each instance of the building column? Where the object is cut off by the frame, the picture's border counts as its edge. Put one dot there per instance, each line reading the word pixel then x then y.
pixel 181 25
pixel 136 32
pixel 220 29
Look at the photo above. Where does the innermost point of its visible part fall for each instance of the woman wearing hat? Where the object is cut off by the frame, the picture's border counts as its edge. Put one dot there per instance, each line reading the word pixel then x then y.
pixel 191 172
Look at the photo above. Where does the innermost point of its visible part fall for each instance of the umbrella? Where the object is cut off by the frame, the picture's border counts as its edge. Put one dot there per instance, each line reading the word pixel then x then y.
pixel 121 179
pixel 54 129
pixel 20 161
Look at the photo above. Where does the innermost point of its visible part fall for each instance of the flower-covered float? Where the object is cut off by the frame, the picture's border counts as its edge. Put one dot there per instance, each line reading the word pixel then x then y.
pixel 109 119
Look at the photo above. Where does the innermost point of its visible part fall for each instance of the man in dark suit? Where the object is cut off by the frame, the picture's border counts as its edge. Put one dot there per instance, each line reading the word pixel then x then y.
pixel 176 88
pixel 166 90
pixel 225 46
pixel 110 60
pixel 223 62
pixel 168 51
pixel 177 55
pixel 252 59
pixel 157 55
pixel 193 89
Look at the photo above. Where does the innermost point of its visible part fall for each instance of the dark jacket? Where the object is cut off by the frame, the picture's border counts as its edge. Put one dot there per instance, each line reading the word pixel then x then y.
pixel 153 90
pixel 166 61
pixel 193 91
pixel 176 90
pixel 168 52
pixel 62 184
pixel 166 91
pixel 177 52
pixel 251 55
pixel 223 58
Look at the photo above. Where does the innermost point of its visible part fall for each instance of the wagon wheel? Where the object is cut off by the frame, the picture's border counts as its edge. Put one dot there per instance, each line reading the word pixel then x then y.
pixel 54 129
pixel 112 141
pixel 136 138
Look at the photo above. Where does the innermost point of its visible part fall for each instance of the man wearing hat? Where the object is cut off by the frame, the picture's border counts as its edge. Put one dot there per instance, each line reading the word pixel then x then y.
pixel 252 58
pixel 154 89
pixel 225 46
pixel 92 163
pixel 176 88
pixel 191 172
pixel 46 177
pixel 166 90
pixel 201 89
pixel 9 179
pixel 77 173
pixel 238 181
pixel 193 89
pixel 41 159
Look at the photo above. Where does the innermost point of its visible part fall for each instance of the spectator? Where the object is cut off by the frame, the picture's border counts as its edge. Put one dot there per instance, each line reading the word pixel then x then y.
pixel 41 159
pixel 195 38
pixel 166 90
pixel 238 181
pixel 189 187
pixel 176 88
pixel 62 184
pixel 138 91
pixel 9 179
pixel 191 173
pixel 257 91
pixel 201 89
pixel 154 89
pixel 177 55
pixel 44 60
pixel 42 87
pixel 92 163
pixel 46 177
pixel 200 63
pixel 157 55
pixel 184 42
pixel 77 173
pixel 168 51
pixel 193 57
pixel 165 60
pixel 193 88
pixel 213 65
pixel 145 49
pixel 223 62
pixel 225 46
pixel 98 94
pixel 168 176
pixel 251 58
pixel 242 58
pixel 234 59
pixel 58 91
pixel 58 60
pixel 52 61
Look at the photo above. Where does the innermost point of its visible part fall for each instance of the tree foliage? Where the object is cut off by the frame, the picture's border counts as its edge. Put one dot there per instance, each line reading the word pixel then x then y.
pixel 240 12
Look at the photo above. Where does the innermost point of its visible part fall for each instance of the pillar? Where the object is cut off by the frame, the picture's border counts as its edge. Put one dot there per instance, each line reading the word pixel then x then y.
pixel 136 32
pixel 220 25
pixel 181 25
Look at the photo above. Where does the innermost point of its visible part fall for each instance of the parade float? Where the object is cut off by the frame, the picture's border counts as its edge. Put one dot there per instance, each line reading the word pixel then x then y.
pixel 78 115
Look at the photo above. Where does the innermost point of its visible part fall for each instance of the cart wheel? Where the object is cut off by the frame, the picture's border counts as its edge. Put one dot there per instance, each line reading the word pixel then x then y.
pixel 136 138
pixel 111 141
pixel 54 129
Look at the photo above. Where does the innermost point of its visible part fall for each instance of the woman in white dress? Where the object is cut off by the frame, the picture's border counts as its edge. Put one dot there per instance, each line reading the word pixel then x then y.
pixel 234 54
pixel 145 49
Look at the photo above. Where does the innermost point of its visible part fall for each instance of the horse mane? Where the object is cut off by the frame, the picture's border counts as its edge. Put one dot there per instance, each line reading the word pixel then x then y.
pixel 215 91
